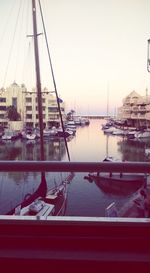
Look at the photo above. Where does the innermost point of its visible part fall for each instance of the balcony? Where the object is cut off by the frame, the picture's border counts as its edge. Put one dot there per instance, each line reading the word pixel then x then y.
pixel 141 116
pixel 74 244
pixel 142 109
pixel 134 116
pixel 126 115
pixel 135 108
pixel 147 116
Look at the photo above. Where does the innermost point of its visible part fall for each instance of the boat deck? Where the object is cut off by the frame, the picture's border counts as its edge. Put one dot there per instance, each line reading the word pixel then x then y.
pixel 134 208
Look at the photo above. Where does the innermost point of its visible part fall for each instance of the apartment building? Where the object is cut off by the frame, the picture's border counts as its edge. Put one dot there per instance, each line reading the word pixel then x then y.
pixel 26 105
pixel 135 110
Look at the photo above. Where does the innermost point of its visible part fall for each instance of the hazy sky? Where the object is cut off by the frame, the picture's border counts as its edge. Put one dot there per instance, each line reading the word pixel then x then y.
pixel 95 45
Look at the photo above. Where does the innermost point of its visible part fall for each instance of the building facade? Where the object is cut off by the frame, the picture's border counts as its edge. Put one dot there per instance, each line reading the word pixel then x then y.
pixel 26 105
pixel 135 110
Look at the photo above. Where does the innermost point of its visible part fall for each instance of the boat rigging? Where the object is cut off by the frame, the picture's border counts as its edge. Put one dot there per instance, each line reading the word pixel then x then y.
pixel 38 79
pixel 53 201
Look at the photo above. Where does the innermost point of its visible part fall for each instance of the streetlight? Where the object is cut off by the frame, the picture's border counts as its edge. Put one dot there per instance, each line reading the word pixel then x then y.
pixel 148 55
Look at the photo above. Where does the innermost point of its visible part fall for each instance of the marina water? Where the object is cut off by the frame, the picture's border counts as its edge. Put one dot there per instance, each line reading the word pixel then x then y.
pixel 89 144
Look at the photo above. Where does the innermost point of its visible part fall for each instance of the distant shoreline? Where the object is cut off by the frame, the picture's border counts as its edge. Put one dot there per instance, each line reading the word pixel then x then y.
pixel 95 116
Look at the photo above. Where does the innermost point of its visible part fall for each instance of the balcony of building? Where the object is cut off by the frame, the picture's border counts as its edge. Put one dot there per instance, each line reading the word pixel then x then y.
pixel 141 115
pixel 142 107
pixel 126 115
pixel 147 115
pixel 135 108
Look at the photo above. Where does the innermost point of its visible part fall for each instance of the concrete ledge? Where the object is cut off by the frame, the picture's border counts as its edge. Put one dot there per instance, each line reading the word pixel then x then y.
pixel 73 244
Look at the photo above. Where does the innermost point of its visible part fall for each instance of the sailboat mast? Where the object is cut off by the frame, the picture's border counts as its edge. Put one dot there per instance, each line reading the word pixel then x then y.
pixel 107 100
pixel 38 78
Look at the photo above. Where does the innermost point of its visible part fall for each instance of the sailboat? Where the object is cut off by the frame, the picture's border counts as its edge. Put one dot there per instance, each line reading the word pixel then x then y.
pixel 137 206
pixel 116 183
pixel 44 202
pixel 108 124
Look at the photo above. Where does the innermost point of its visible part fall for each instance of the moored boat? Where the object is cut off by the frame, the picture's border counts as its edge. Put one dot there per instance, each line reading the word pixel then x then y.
pixel 49 132
pixel 43 203
pixel 28 134
pixel 66 133
pixel 111 159
pixel 138 206
pixel 9 135
pixel 119 184
pixel 145 134
pixel 53 204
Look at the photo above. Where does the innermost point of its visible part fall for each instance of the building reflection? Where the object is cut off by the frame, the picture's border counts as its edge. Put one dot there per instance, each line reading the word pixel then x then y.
pixel 133 150
pixel 30 149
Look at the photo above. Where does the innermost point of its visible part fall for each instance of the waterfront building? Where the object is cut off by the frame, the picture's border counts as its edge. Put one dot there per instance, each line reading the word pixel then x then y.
pixel 135 110
pixel 26 105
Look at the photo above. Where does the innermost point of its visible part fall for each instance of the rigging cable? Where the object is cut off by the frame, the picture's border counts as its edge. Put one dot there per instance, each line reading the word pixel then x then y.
pixel 26 49
pixel 54 82
pixel 5 28
pixel 10 51
pixel 19 42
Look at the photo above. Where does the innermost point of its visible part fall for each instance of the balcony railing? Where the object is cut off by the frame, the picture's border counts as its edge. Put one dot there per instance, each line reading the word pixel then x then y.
pixel 57 166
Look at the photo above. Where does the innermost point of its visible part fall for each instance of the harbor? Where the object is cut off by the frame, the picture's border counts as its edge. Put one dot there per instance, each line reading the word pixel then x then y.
pixel 74 136
pixel 89 144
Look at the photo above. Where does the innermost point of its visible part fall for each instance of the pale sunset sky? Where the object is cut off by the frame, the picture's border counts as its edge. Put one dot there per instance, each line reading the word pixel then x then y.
pixel 97 47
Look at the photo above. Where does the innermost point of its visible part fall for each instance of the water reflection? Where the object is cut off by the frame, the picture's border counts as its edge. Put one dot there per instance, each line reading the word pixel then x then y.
pixel 16 187
pixel 119 188
pixel 30 149
pixel 89 144
pixel 133 150
pixel 10 150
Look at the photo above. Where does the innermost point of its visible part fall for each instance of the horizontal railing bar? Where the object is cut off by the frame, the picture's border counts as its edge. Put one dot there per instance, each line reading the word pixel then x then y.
pixel 73 220
pixel 57 166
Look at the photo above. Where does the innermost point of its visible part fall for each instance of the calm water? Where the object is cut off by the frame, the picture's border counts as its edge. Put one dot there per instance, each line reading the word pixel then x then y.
pixel 89 144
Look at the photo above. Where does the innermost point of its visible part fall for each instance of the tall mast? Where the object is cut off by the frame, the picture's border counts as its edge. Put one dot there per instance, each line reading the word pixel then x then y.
pixel 38 78
pixel 107 100
pixel 38 84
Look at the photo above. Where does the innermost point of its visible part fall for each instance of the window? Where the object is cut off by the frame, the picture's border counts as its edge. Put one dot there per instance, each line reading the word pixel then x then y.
pixel 43 100
pixel 2 99
pixel 28 99
pixel 29 116
pixel 52 109
pixel 2 108
pixel 14 102
pixel 37 116
pixel 53 117
pixel 28 108
pixel 43 108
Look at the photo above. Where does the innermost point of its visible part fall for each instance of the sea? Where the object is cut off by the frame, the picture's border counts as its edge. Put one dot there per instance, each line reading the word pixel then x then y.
pixel 90 144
